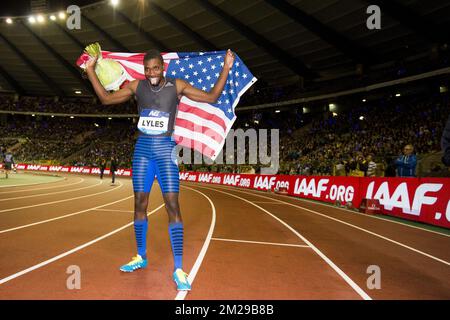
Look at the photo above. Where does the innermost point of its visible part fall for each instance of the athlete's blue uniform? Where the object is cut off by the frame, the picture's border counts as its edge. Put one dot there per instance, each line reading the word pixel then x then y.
pixel 154 153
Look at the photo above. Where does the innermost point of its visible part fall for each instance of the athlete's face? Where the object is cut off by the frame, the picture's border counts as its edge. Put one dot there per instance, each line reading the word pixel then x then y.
pixel 153 70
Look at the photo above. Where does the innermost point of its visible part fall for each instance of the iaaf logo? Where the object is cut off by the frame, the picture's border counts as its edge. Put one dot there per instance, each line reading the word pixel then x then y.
pixel 306 188
pixel 33 167
pixel 21 167
pixel 55 168
pixel 95 170
pixel 231 180
pixel 336 192
pixel 184 175
pixel 76 169
pixel 400 196
pixel 205 177
pixel 265 183
pixel 120 172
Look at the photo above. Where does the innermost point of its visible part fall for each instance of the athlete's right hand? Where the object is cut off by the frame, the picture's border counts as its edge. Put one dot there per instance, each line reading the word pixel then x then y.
pixel 90 64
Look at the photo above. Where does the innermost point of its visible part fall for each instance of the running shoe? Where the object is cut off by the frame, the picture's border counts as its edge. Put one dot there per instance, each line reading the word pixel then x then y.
pixel 135 263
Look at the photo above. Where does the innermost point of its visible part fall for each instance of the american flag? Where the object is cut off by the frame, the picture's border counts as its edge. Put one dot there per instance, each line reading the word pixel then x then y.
pixel 200 126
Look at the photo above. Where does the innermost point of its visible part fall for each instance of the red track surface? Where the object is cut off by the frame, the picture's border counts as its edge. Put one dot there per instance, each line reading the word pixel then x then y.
pixel 285 248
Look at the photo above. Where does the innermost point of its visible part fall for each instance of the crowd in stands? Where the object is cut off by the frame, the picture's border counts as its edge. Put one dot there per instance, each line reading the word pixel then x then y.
pixel 362 140
pixel 64 105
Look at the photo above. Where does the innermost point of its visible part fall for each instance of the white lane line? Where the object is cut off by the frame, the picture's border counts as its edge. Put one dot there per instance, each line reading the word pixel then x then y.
pixel 347 279
pixel 64 216
pixel 182 294
pixel 356 227
pixel 62 255
pixel 33 184
pixel 63 200
pixel 127 211
pixel 52 193
pixel 351 211
pixel 268 202
pixel 266 243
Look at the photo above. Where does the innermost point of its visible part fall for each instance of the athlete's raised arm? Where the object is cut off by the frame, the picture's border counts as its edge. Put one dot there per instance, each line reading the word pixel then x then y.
pixel 185 89
pixel 106 97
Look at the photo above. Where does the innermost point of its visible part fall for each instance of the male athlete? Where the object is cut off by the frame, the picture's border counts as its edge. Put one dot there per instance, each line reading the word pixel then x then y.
pixel 154 153
pixel 8 162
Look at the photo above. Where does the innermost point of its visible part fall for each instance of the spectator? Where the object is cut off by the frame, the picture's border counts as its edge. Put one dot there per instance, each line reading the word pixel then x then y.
pixel 406 163
pixel 371 166
pixel 445 143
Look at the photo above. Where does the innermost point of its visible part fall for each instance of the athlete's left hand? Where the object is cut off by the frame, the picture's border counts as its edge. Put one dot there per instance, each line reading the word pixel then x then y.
pixel 229 58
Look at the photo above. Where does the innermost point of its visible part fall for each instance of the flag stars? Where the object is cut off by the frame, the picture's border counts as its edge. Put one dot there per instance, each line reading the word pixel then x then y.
pixel 191 66
pixel 174 72
pixel 191 83
pixel 244 76
pixel 209 59
pixel 199 80
pixel 213 67
pixel 200 63
pixel 186 76
pixel 204 70
pixel 208 78
pixel 182 69
pixel 177 62
pixel 217 75
pixel 227 101
pixel 236 74
pixel 229 110
pixel 231 91
pixel 204 88
pixel 195 73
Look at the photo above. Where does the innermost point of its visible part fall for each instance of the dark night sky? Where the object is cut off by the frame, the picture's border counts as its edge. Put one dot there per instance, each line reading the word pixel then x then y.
pixel 22 7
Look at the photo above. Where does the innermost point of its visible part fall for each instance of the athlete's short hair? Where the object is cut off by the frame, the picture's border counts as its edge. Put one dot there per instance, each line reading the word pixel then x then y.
pixel 153 54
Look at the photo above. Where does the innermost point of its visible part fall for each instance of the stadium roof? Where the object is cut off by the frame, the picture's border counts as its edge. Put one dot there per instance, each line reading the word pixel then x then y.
pixel 280 41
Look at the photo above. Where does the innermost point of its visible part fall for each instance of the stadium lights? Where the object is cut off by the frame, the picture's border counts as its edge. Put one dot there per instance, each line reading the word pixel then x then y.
pixel 96 124
pixel 31 19
pixel 397 94
pixel 33 115
pixel 71 117
pixel 62 15
pixel 332 105
pixel 53 17
pixel 77 92
pixel 335 114
pixel 53 116
pixel 114 2
pixel 277 111
pixel 40 18
pixel 361 118
pixel 364 100
pixel 9 21
pixel 109 118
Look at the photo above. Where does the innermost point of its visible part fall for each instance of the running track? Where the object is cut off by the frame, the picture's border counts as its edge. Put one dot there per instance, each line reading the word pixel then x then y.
pixel 239 244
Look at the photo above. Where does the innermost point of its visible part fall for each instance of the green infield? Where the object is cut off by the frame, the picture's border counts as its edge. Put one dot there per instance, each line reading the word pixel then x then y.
pixel 23 179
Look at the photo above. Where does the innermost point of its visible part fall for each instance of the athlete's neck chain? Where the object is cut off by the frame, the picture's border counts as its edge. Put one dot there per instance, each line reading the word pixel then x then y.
pixel 164 84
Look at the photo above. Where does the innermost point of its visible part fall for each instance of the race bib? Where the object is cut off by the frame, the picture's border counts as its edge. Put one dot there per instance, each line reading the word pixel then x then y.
pixel 153 122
